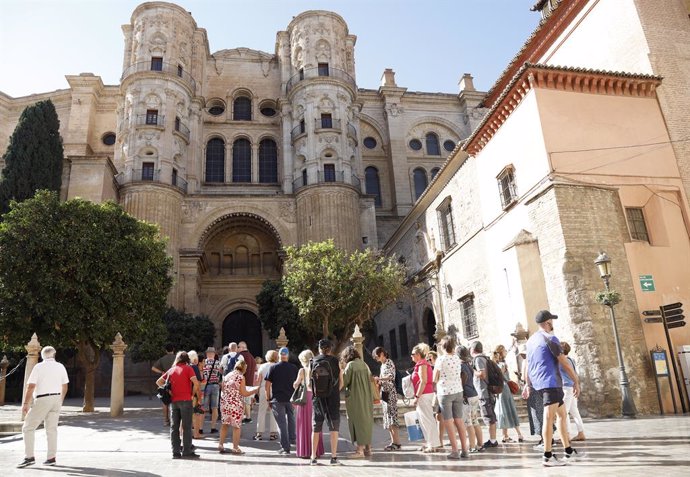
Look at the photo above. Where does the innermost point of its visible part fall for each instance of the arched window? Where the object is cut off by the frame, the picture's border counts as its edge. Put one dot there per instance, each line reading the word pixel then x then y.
pixel 373 185
pixel 432 147
pixel 434 171
pixel 242 109
pixel 242 161
pixel 268 162
pixel 420 182
pixel 215 160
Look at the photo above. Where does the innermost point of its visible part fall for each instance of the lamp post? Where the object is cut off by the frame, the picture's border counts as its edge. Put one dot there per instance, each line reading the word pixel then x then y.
pixel 603 263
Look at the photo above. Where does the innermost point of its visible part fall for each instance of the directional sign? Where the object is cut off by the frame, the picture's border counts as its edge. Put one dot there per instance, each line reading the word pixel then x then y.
pixel 677 324
pixel 653 320
pixel 647 283
pixel 672 306
pixel 676 312
pixel 652 313
pixel 672 319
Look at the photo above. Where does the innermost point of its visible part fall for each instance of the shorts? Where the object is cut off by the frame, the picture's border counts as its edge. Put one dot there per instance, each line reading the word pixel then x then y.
pixel 450 406
pixel 210 401
pixel 471 412
pixel 326 409
pixel 552 396
pixel 486 406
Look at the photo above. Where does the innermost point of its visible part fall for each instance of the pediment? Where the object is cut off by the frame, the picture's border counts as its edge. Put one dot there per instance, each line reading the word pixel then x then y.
pixel 242 53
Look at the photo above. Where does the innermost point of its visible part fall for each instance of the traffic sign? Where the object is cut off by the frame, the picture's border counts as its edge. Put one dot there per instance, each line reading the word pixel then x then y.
pixel 647 283
pixel 677 324
pixel 653 320
pixel 652 313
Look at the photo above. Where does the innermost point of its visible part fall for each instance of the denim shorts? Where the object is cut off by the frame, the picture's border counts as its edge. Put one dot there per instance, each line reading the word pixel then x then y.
pixel 211 397
pixel 450 406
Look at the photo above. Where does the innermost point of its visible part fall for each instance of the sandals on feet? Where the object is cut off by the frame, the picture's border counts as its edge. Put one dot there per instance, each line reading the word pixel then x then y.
pixel 392 447
pixel 507 439
pixel 258 437
pixel 237 451
pixel 273 436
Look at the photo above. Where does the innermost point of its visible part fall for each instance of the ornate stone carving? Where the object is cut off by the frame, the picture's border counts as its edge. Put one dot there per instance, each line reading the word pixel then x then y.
pixel 287 211
pixel 191 210
pixel 394 110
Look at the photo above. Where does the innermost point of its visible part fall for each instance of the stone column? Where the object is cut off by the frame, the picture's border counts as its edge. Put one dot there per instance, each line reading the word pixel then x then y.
pixel 117 384
pixel 281 340
pixel 3 372
pixel 357 340
pixel 33 348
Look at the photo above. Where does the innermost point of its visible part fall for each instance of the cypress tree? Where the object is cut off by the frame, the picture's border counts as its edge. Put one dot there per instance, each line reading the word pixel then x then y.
pixel 33 159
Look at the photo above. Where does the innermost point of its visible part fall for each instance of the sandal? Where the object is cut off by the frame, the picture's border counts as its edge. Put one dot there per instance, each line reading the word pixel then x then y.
pixel 521 439
pixel 222 450
pixel 429 450
pixel 507 439
pixel 237 451
pixel 357 455
pixel 274 436
pixel 258 437
pixel 392 447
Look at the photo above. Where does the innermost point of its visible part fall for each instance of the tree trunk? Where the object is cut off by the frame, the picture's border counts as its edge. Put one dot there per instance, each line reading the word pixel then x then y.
pixel 325 327
pixel 89 358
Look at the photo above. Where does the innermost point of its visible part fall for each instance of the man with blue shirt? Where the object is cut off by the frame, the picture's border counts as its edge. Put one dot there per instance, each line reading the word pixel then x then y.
pixel 544 357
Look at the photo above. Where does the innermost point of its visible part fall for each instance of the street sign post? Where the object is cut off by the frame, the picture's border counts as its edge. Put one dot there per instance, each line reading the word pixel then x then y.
pixel 672 317
pixel 653 320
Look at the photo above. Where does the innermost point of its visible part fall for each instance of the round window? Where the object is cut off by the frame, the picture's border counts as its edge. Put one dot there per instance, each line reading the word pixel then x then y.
pixel 369 142
pixel 449 145
pixel 415 144
pixel 270 112
pixel 216 110
pixel 109 139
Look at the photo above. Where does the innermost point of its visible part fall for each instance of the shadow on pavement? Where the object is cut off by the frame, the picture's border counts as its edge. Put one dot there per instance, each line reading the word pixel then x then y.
pixel 87 471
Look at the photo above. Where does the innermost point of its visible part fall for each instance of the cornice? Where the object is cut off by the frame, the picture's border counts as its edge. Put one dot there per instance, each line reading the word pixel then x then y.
pixel 569 79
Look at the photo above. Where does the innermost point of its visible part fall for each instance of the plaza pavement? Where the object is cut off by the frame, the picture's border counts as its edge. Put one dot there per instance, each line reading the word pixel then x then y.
pixel 137 444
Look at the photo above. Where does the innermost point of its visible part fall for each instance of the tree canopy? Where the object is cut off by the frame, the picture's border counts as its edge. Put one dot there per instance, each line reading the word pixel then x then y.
pixel 76 273
pixel 333 289
pixel 33 159
pixel 277 311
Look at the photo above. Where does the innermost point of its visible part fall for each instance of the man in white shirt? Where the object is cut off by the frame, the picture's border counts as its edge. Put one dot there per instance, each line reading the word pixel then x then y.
pixel 48 381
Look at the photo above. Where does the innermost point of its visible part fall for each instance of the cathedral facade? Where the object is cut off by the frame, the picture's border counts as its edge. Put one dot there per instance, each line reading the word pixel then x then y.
pixel 238 153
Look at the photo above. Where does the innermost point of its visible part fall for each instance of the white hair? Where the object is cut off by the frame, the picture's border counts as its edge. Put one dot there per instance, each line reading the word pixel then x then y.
pixel 47 352
pixel 193 357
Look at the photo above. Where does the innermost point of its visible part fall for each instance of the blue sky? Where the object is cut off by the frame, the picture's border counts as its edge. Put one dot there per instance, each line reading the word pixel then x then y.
pixel 429 44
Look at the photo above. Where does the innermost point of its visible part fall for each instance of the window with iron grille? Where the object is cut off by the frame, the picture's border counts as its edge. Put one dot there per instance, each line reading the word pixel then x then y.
pixel 469 318
pixel 326 121
pixel 323 69
pixel 147 171
pixel 242 109
pixel 304 177
pixel 420 182
pixel 329 172
pixel 156 63
pixel 215 160
pixel 174 177
pixel 506 187
pixel 242 161
pixel 302 127
pixel 404 346
pixel 152 116
pixel 446 225
pixel 636 224
pixel 373 184
pixel 432 147
pixel 268 162
pixel 394 344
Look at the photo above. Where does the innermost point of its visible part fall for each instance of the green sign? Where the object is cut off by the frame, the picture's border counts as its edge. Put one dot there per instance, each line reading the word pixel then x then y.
pixel 647 283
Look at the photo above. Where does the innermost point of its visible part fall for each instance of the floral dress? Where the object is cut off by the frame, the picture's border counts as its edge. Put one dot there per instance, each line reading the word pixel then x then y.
pixel 390 407
pixel 231 403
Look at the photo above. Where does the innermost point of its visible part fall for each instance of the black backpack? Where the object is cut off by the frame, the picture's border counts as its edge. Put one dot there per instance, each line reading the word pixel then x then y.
pixel 494 376
pixel 321 378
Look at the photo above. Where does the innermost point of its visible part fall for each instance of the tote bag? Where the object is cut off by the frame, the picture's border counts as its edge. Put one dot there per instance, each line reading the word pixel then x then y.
pixel 414 430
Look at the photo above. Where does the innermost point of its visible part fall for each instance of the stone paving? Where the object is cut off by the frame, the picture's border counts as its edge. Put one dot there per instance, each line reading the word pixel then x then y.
pixel 95 444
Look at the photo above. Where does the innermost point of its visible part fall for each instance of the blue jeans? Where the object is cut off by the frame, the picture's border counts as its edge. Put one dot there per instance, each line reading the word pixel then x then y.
pixel 285 417
pixel 181 411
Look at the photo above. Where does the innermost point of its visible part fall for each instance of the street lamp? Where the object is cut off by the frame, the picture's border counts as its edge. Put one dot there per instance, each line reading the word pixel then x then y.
pixel 603 263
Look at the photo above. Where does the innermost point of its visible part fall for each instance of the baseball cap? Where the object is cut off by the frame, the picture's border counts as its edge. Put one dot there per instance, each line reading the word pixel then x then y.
pixel 284 351
pixel 544 315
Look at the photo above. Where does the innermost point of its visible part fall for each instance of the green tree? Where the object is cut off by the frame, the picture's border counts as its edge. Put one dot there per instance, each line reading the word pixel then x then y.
pixel 33 159
pixel 77 273
pixel 333 289
pixel 276 311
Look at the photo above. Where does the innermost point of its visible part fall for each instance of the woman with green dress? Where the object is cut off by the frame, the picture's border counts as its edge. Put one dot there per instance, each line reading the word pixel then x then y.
pixel 359 400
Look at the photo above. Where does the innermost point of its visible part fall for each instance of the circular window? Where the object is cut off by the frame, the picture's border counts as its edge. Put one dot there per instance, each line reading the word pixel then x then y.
pixel 369 142
pixel 415 144
pixel 216 107
pixel 109 139
pixel 270 112
pixel 268 108
pixel 449 145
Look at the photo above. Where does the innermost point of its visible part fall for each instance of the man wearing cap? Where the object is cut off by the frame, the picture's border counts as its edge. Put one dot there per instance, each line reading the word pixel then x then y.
pixel 212 376
pixel 544 355
pixel 48 380
pixel 279 389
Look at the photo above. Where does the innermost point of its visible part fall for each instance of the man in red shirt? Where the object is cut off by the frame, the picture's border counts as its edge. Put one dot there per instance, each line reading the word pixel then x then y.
pixel 183 383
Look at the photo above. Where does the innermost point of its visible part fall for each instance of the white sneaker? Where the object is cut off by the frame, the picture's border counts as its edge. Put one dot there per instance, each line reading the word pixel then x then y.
pixel 552 461
pixel 575 456
pixel 539 447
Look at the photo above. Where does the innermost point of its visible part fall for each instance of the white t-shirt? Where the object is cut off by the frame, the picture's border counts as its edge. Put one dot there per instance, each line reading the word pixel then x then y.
pixel 450 379
pixel 48 376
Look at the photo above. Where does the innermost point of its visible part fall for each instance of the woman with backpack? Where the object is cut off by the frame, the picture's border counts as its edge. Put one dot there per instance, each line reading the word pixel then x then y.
pixel 422 381
pixel 389 396
pixel 304 412
pixel 505 405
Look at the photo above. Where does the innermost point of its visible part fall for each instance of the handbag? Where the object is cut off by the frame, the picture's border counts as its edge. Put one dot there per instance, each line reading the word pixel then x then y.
pixel 163 392
pixel 514 387
pixel 299 395
pixel 385 396
pixel 376 395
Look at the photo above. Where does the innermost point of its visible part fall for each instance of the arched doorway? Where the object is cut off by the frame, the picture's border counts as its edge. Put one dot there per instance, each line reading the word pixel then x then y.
pixel 430 327
pixel 243 325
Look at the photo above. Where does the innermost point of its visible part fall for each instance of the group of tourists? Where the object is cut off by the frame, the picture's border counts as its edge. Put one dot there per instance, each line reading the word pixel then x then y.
pixel 453 390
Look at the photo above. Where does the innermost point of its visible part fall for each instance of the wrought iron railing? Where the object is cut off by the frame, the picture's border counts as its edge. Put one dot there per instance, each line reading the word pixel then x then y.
pixel 324 123
pixel 182 129
pixel 150 175
pixel 324 177
pixel 150 120
pixel 163 68
pixel 312 73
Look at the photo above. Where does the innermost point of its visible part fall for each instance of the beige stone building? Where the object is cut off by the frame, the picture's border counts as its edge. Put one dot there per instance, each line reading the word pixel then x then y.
pixel 584 148
pixel 238 153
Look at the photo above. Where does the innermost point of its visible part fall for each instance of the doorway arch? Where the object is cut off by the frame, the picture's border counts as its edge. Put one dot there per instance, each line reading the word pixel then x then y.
pixel 244 325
